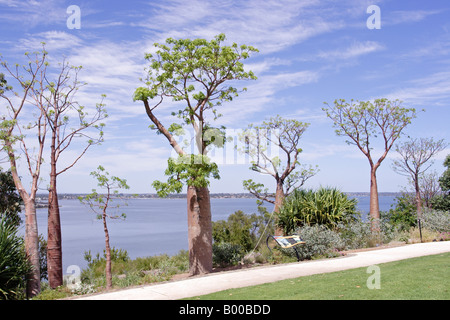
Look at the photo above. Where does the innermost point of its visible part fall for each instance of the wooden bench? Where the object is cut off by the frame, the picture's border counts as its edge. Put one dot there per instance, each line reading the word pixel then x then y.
pixel 286 242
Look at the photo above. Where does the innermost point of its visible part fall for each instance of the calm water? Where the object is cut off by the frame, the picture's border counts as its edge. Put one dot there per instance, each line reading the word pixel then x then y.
pixel 152 226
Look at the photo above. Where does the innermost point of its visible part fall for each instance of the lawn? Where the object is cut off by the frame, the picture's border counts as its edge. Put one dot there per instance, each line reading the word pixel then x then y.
pixel 421 278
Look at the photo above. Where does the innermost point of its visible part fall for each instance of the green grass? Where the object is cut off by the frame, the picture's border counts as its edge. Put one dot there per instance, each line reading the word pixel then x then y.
pixel 421 278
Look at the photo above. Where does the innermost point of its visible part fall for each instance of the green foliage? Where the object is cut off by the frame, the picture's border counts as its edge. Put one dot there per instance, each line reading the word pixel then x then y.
pixel 180 65
pixel 320 242
pixel 225 254
pixel 436 220
pixel 43 257
pixel 10 200
pixel 360 120
pixel 444 180
pixel 236 230
pixel 442 202
pixel 404 214
pixel 274 150
pixel 242 229
pixel 99 203
pixel 194 170
pixel 97 264
pixel 326 206
pixel 14 265
pixel 127 271
pixel 195 72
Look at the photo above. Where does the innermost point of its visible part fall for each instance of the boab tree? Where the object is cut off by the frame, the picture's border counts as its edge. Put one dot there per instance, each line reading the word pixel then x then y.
pixel 25 114
pixel 362 121
pixel 194 72
pixel 67 121
pixel 414 155
pixel 274 149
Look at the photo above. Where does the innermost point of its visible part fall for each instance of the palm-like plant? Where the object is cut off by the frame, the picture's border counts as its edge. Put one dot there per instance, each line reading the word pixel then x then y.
pixel 326 206
pixel 14 265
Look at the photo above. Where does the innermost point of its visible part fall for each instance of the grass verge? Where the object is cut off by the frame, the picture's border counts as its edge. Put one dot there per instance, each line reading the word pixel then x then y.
pixel 423 278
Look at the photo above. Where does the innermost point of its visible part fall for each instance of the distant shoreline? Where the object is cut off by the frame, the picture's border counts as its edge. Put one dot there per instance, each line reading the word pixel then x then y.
pixel 67 196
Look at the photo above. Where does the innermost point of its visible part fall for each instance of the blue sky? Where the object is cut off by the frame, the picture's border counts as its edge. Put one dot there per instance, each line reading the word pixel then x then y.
pixel 310 52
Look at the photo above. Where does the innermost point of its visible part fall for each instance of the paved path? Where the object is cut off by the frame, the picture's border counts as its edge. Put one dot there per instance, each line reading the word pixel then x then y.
pixel 214 282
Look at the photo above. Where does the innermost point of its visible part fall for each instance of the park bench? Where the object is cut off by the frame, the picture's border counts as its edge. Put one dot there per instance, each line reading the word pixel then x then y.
pixel 286 242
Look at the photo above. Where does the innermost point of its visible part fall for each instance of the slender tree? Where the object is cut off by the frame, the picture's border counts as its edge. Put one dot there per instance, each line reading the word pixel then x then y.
pixel 194 72
pixel 415 155
pixel 274 149
pixel 25 113
pixel 362 122
pixel 101 204
pixel 60 103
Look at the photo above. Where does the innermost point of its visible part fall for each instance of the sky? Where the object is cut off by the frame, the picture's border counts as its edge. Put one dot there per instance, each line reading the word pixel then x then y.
pixel 310 52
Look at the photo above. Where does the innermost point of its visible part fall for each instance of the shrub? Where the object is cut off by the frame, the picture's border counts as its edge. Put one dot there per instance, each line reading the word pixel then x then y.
pixel 225 254
pixel 241 229
pixel 139 271
pixel 355 234
pixel 326 206
pixel 319 242
pixel 404 215
pixel 436 220
pixel 14 265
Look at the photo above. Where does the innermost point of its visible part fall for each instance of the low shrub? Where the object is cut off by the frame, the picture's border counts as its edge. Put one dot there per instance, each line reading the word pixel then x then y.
pixel 139 271
pixel 226 254
pixel 436 220
pixel 403 213
pixel 326 206
pixel 320 242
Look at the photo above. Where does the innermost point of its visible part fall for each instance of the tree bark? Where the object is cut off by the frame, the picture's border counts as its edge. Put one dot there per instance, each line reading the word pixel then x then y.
pixel 374 204
pixel 32 248
pixel 108 273
pixel 31 226
pixel 54 241
pixel 198 210
pixel 418 197
pixel 199 230
pixel 279 197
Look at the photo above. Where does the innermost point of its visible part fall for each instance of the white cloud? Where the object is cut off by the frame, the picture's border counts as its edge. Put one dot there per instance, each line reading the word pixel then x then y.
pixel 433 89
pixel 271 26
pixel 408 16
pixel 33 13
pixel 353 51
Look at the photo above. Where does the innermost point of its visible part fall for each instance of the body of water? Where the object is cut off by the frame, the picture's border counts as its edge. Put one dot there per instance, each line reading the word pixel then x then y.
pixel 152 226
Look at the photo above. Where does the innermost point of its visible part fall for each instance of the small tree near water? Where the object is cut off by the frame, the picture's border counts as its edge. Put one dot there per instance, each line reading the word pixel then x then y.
pixel 100 203
pixel 362 122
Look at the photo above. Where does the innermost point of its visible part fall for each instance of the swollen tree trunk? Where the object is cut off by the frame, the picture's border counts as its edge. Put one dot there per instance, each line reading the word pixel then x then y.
pixel 199 230
pixel 54 242
pixel 54 247
pixel 32 247
pixel 31 226
pixel 279 197
pixel 199 213
pixel 374 204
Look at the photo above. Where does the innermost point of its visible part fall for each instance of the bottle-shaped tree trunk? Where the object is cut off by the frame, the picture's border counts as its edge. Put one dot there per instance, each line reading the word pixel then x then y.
pixel 199 230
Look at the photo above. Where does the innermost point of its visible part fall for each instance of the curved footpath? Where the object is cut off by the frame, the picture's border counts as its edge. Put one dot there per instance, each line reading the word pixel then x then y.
pixel 214 282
